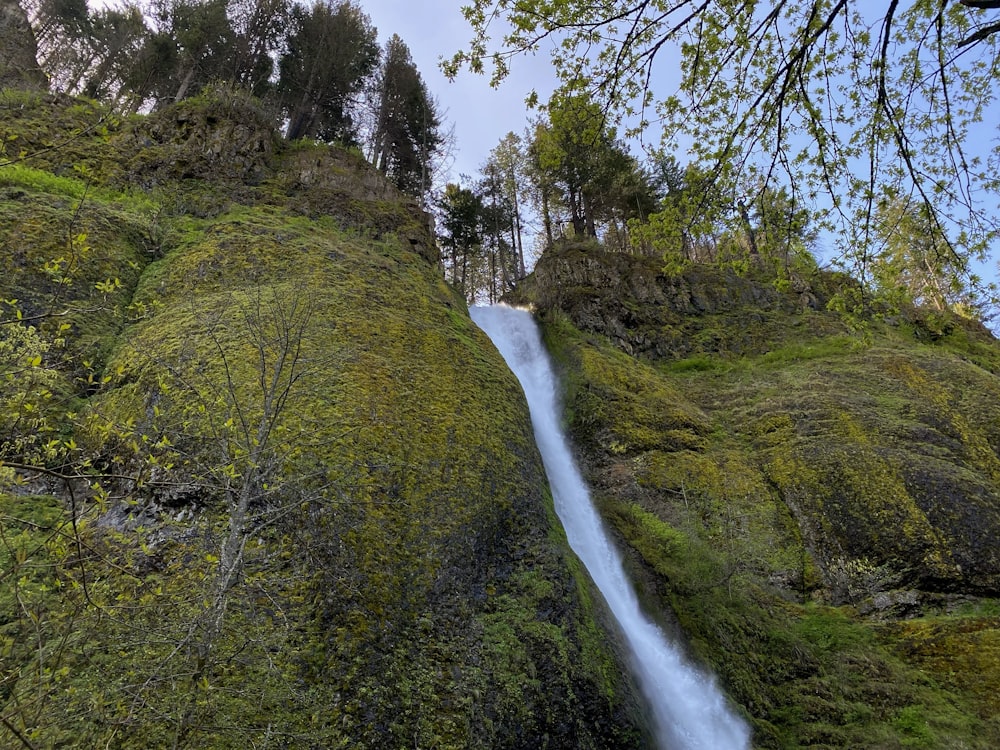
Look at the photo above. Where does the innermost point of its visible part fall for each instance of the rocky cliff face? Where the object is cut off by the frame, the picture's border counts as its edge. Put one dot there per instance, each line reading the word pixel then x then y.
pixel 646 311
pixel 267 483
pixel 18 52
pixel 818 508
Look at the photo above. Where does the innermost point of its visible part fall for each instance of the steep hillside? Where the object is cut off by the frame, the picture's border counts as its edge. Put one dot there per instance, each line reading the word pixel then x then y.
pixel 265 484
pixel 817 507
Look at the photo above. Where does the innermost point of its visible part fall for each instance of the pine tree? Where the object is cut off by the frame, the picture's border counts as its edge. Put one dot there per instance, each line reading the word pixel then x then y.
pixel 461 215
pixel 261 27
pixel 407 129
pixel 191 45
pixel 506 170
pixel 331 51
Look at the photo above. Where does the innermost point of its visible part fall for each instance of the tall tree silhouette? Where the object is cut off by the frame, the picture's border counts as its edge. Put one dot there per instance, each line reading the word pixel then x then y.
pixel 332 49
pixel 406 135
pixel 191 45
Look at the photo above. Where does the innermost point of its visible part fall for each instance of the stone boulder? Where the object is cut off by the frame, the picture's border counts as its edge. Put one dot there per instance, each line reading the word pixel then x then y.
pixel 18 51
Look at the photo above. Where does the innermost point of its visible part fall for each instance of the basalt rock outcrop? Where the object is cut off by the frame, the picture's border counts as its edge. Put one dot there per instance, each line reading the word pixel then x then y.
pixel 647 311
pixel 18 52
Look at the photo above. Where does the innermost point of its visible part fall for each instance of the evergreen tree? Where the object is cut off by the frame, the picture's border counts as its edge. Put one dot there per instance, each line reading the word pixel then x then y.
pixel 542 191
pixel 116 38
pixel 577 153
pixel 691 216
pixel 53 21
pixel 500 260
pixel 111 53
pixel 623 192
pixel 407 129
pixel 191 45
pixel 567 150
pixel 262 28
pixel 461 216
pixel 332 49
pixel 59 27
pixel 506 171
pixel 910 265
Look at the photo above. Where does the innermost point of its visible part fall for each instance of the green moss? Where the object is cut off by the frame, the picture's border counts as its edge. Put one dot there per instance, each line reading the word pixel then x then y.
pixel 828 468
pixel 697 363
pixel 42 181
pixel 67 137
pixel 960 652
pixel 404 581
pixel 74 258
pixel 617 403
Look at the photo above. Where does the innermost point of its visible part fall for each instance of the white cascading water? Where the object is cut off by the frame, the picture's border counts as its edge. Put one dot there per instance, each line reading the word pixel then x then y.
pixel 688 710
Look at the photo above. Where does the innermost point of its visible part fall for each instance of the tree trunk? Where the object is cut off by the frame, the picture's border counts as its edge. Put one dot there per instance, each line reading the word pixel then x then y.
pixel 300 122
pixel 547 218
pixel 590 226
pixel 751 234
pixel 521 271
pixel 304 114
pixel 576 213
pixel 185 83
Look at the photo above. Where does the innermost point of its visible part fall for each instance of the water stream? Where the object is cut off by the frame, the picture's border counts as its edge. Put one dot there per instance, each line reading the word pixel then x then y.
pixel 688 710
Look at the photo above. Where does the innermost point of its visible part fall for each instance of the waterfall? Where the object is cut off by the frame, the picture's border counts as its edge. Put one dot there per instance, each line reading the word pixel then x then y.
pixel 688 709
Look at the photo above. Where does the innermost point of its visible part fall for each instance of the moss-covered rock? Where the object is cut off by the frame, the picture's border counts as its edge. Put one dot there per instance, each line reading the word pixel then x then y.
pixel 65 136
pixel 221 135
pixel 647 311
pixel 298 501
pixel 789 492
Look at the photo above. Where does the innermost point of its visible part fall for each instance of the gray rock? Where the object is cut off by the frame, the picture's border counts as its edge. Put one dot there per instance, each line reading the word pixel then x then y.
pixel 18 50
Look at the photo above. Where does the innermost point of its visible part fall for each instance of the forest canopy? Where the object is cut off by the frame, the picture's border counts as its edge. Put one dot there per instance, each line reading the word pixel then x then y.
pixel 858 110
pixel 315 66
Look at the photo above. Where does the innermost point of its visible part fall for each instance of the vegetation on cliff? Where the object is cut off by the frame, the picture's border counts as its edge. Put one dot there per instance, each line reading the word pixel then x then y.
pixel 264 481
pixel 874 118
pixel 812 505
pixel 317 69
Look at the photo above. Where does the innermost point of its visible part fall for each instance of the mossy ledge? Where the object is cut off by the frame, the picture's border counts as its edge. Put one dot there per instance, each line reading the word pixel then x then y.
pixel 405 583
pixel 815 508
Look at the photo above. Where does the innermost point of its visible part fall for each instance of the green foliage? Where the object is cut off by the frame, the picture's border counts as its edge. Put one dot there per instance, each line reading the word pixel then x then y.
pixel 498 266
pixel 316 68
pixel 800 94
pixel 686 224
pixel 76 260
pixel 697 363
pixel 41 609
pixel 461 226
pixel 190 45
pixel 331 52
pixel 577 153
pixel 407 133
pixel 914 265
pixel 32 397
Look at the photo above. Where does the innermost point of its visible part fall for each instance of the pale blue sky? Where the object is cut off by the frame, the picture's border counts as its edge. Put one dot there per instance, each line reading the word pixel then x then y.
pixel 481 116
